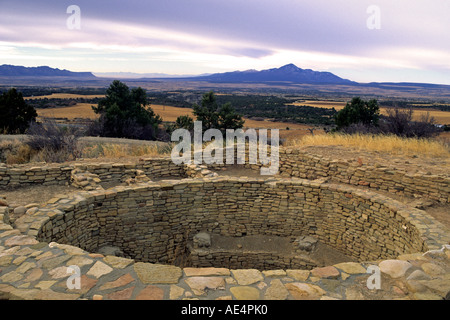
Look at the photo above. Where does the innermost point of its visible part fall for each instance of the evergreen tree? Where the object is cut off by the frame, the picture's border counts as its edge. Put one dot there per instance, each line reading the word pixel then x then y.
pixel 185 122
pixel 124 114
pixel 213 116
pixel 228 118
pixel 15 114
pixel 358 111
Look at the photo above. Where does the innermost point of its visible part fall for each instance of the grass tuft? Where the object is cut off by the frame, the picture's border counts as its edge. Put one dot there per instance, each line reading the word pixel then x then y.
pixel 110 150
pixel 389 144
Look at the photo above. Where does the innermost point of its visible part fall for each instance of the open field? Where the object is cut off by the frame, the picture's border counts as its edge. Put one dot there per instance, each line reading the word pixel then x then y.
pixel 80 110
pixel 171 113
pixel 66 96
pixel 441 117
pixel 168 113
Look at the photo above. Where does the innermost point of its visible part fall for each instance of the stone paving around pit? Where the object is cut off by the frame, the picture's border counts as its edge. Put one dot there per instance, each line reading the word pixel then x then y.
pixel 33 270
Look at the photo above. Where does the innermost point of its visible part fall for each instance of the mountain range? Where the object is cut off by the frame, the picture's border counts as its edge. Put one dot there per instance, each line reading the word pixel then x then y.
pixel 43 71
pixel 285 76
pixel 287 73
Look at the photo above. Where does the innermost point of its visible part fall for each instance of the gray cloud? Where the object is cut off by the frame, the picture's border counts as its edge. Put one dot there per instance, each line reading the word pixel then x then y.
pixel 332 26
pixel 251 28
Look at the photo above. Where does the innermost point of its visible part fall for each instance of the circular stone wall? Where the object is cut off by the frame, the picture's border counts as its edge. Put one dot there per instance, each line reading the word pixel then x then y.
pixel 156 222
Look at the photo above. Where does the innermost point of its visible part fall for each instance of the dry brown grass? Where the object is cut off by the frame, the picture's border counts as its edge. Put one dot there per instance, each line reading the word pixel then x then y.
pixel 18 152
pixel 111 150
pixel 80 110
pixel 383 143
pixel 15 152
pixel 442 117
pixel 84 110
pixel 169 113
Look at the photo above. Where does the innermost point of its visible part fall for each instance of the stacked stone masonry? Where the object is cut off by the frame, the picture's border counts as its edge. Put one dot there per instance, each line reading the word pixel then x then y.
pixel 154 222
pixel 293 163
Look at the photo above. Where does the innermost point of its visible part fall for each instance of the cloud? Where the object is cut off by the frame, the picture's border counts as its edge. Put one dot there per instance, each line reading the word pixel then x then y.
pixel 233 34
pixel 332 26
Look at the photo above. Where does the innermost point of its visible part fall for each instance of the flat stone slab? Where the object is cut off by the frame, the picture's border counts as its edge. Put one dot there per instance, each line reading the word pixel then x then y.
pixel 329 272
pixel 20 241
pixel 299 275
pixel 351 267
pixel 124 294
pixel 274 273
pixel 276 291
pixel 193 272
pixel 120 282
pixel 432 269
pixel 394 268
pixel 248 276
pixel 151 293
pixel 200 284
pixel 99 269
pixel 52 295
pixel 175 292
pixel 439 286
pixel 245 293
pixel 52 263
pixel 304 291
pixel 150 273
pixel 67 248
pixel 118 262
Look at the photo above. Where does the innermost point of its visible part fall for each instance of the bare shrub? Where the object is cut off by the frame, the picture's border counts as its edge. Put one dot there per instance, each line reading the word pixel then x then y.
pixel 397 121
pixel 360 128
pixel 425 128
pixel 53 142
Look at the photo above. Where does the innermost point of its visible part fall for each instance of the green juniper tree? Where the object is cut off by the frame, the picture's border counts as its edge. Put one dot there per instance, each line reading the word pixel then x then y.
pixel 124 113
pixel 358 111
pixel 185 122
pixel 218 117
pixel 15 114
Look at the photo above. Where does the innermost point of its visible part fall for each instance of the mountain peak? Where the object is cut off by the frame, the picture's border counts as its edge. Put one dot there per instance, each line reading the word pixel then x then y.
pixel 289 73
pixel 290 66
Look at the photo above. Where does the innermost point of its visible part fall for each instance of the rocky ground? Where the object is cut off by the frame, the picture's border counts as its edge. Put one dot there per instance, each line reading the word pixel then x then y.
pixel 31 270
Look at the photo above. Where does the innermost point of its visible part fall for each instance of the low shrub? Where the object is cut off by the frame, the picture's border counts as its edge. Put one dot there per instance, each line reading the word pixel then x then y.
pixel 53 143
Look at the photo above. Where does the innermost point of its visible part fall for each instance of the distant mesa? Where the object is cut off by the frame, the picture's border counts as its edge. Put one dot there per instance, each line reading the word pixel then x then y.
pixel 43 71
pixel 288 73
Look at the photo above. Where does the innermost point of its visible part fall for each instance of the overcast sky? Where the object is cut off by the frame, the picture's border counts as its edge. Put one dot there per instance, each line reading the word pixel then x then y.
pixel 405 40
